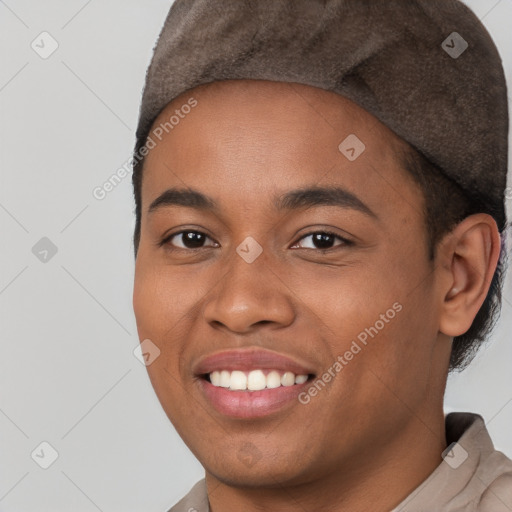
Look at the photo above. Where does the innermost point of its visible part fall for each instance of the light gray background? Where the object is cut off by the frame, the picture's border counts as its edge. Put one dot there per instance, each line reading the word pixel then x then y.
pixel 68 375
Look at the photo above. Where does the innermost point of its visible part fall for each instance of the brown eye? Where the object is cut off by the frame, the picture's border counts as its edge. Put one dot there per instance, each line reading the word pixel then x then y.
pixel 324 240
pixel 186 239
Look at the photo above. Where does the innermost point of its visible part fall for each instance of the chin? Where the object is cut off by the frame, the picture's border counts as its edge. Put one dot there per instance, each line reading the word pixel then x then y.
pixel 259 474
pixel 249 479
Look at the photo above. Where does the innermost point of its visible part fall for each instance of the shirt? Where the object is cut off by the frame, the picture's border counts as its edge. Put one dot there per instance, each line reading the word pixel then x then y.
pixel 473 476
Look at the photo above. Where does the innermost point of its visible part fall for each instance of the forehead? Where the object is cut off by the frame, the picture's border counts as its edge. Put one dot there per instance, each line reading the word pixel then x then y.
pixel 301 110
pixel 244 138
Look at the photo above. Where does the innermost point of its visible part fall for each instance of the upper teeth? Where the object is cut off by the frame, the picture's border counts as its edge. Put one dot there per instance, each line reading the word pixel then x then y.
pixel 255 379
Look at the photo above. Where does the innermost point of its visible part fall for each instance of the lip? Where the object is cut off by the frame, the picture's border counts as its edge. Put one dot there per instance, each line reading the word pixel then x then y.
pixel 245 404
pixel 251 404
pixel 250 359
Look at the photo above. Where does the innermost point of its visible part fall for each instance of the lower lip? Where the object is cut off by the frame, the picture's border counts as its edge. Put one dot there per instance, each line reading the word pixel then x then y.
pixel 251 404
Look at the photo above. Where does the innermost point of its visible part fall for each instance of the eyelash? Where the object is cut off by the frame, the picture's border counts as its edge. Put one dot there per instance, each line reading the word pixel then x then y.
pixel 346 242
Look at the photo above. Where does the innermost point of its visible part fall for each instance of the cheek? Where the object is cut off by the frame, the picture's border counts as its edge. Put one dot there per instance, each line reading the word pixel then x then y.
pixel 147 304
pixel 160 308
pixel 385 305
pixel 160 296
pixel 398 324
pixel 166 303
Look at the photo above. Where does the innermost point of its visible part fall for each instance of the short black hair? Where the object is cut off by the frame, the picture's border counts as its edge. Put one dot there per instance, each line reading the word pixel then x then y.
pixel 445 205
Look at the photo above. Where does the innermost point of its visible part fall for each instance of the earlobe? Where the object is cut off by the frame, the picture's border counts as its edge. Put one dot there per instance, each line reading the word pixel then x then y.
pixel 473 253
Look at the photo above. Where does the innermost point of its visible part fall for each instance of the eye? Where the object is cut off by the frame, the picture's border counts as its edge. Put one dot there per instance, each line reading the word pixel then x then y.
pixel 324 240
pixel 187 239
pixel 192 239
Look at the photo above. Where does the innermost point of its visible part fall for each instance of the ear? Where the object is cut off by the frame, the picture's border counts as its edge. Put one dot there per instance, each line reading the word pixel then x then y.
pixel 470 254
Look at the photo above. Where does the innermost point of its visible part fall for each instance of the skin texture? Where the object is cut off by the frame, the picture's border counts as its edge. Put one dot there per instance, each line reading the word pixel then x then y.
pixel 377 430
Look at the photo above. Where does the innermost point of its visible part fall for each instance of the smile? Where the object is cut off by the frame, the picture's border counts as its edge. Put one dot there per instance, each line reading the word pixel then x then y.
pixel 251 382
pixel 254 380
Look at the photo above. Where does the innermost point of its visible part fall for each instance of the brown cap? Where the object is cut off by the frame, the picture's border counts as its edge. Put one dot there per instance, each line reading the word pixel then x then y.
pixel 427 69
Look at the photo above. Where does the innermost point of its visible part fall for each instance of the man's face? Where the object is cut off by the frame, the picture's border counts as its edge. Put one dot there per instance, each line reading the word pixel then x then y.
pixel 368 289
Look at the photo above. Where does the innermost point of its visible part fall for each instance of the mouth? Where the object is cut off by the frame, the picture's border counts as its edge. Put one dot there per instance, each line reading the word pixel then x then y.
pixel 252 383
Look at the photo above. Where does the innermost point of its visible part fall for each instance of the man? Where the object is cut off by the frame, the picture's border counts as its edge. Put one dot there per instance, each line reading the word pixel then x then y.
pixel 319 199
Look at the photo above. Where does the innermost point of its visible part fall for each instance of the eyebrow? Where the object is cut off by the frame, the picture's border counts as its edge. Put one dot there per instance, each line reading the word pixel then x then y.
pixel 291 200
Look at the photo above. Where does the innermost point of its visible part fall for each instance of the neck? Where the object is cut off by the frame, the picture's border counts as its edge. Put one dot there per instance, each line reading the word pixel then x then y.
pixel 378 480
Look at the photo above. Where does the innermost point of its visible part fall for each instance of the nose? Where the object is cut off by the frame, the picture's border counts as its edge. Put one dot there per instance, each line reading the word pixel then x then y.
pixel 250 294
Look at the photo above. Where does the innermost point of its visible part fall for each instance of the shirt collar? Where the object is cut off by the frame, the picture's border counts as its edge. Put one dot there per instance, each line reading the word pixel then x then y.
pixel 456 479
